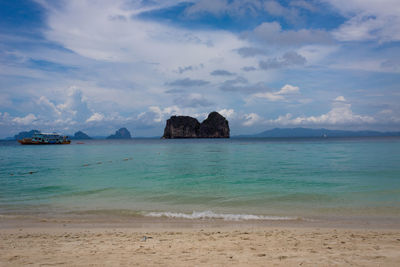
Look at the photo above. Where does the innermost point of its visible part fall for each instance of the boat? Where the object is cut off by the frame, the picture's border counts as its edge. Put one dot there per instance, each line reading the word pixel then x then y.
pixel 45 139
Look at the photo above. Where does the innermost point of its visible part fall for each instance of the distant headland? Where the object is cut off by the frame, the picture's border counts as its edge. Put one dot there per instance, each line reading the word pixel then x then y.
pixel 215 126
pixel 315 133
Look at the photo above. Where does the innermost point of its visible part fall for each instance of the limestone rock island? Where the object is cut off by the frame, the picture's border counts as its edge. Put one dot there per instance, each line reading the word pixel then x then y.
pixel 81 136
pixel 122 133
pixel 215 126
pixel 181 127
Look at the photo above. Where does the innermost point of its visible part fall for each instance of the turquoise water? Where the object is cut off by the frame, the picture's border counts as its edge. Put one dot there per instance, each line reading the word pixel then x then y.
pixel 204 178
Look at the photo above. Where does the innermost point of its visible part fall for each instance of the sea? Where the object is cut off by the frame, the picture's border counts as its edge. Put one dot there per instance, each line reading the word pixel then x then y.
pixel 205 179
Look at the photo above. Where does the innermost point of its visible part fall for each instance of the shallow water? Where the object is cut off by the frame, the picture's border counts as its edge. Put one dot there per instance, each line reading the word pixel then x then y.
pixel 204 178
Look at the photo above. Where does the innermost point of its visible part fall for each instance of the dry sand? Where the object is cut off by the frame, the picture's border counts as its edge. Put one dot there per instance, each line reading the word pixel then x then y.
pixel 224 246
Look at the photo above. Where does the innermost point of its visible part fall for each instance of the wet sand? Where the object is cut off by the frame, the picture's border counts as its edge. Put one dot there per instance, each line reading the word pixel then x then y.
pixel 193 243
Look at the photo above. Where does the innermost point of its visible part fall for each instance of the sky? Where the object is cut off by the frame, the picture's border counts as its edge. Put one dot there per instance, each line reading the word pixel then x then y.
pixel 99 65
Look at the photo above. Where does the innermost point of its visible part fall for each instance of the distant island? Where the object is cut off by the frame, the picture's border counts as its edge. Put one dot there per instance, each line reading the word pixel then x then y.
pixel 22 135
pixel 215 126
pixel 81 136
pixel 122 133
pixel 307 132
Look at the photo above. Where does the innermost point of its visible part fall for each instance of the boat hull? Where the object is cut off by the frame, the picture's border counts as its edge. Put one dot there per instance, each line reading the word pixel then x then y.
pixel 30 142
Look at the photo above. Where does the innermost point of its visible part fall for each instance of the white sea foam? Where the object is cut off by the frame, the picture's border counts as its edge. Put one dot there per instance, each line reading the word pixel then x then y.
pixel 212 215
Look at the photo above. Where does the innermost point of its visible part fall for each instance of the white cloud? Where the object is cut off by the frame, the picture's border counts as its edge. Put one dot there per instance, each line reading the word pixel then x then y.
pixel 28 119
pixel 75 104
pixel 241 8
pixel 340 114
pixel 289 59
pixel 251 119
pixel 131 61
pixel 369 20
pixel 269 96
pixel 271 33
pixel 389 116
pixel 74 109
pixel 288 89
pixel 386 112
pixel 359 28
pixel 73 112
pixel 46 104
pixel 96 117
pixel 340 99
pixel 276 9
pixel 227 113
pixel 155 114
pixel 85 28
pixel 285 91
pixel 235 8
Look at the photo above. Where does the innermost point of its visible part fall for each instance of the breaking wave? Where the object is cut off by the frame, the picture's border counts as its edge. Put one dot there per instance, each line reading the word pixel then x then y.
pixel 212 215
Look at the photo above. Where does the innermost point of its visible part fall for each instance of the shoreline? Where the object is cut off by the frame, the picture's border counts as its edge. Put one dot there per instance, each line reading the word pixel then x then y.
pixel 10 221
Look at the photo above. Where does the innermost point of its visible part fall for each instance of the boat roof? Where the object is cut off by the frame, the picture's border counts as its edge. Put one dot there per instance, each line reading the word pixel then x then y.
pixel 49 133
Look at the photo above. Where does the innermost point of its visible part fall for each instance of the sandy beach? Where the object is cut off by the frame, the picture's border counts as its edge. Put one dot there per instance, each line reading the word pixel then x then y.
pixel 181 243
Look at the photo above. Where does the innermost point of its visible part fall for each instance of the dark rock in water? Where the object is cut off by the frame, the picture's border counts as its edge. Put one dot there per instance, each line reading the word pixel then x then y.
pixel 122 133
pixel 181 127
pixel 215 126
pixel 81 136
pixel 23 135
